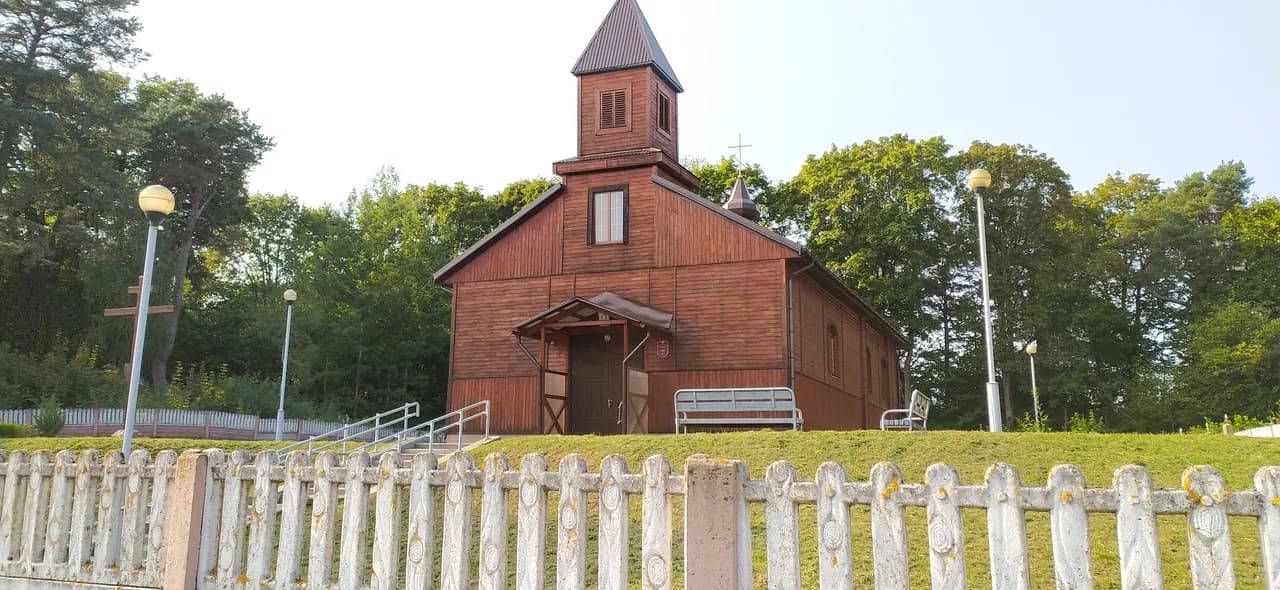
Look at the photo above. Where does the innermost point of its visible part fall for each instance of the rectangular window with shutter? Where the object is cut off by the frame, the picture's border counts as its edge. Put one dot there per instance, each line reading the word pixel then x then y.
pixel 613 109
pixel 608 216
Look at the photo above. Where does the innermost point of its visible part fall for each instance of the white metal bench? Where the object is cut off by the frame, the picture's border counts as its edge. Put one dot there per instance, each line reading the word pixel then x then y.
pixel 737 407
pixel 915 416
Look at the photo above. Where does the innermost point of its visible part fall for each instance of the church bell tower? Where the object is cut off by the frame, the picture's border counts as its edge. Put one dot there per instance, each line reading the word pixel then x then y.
pixel 627 90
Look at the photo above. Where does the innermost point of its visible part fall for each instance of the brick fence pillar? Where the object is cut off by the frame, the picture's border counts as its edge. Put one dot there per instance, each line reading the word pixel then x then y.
pixel 713 491
pixel 184 522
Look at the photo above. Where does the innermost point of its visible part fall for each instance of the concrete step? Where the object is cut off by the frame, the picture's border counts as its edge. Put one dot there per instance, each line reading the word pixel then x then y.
pixel 444 450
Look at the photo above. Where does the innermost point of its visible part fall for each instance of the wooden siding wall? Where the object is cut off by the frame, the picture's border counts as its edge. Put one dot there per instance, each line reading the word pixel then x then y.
pixel 531 249
pixel 669 142
pixel 513 400
pixel 731 316
pixel 484 314
pixel 637 252
pixel 827 407
pixel 591 139
pixel 713 341
pixel 689 234
pixel 844 398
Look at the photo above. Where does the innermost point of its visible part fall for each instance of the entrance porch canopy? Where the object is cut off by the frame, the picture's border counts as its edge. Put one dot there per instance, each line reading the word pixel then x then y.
pixel 605 309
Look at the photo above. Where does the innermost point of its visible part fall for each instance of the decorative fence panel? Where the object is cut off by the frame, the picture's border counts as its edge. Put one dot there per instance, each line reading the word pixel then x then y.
pixel 83 519
pixel 164 422
pixel 241 521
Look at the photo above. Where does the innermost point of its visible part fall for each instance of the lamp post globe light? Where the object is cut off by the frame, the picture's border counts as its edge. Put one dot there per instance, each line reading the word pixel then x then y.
pixel 289 297
pixel 979 180
pixel 156 203
pixel 1032 349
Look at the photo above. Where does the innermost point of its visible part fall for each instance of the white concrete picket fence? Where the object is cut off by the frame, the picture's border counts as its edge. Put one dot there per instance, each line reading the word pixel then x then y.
pixel 213 521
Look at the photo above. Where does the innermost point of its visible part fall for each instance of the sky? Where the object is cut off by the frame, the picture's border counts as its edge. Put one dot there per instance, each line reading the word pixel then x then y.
pixel 479 91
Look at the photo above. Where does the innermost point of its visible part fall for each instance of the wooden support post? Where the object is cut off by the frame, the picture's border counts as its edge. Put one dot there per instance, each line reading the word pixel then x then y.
pixel 543 406
pixel 184 520
pixel 711 523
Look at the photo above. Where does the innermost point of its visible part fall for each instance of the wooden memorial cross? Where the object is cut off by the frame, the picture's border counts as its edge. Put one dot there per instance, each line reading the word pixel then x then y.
pixel 136 291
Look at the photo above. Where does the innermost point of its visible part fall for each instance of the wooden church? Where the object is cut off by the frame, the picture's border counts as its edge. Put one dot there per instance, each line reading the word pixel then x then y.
pixel 587 310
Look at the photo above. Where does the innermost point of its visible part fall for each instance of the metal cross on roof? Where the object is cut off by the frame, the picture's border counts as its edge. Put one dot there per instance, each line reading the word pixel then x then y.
pixel 739 147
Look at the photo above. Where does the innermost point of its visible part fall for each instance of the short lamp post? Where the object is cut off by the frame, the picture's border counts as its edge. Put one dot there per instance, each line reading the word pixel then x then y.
pixel 289 297
pixel 157 203
pixel 1032 349
pixel 979 180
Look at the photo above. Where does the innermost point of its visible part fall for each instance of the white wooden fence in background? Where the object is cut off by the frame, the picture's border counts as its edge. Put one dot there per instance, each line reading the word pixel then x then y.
pixel 176 423
pixel 215 521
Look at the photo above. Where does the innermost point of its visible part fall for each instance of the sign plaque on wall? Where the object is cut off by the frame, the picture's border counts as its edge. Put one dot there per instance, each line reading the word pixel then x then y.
pixel 663 348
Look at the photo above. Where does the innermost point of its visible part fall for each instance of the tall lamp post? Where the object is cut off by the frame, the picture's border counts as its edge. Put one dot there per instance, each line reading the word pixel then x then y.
pixel 979 180
pixel 289 297
pixel 1032 349
pixel 157 203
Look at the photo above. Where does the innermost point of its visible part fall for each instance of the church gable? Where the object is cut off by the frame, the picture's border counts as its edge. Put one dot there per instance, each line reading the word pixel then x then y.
pixel 529 244
pixel 691 230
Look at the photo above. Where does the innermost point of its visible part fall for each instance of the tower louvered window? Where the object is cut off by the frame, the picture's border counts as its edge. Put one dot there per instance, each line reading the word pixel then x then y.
pixel 613 109
pixel 664 113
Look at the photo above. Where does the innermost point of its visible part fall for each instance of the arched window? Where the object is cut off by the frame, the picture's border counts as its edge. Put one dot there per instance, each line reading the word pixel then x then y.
pixel 833 350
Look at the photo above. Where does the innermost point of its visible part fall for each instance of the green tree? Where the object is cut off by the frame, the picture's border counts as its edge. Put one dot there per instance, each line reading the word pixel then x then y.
pixel 874 215
pixel 1040 242
pixel 1255 231
pixel 64 120
pixel 517 195
pixel 202 147
pixel 1233 358
pixel 46 48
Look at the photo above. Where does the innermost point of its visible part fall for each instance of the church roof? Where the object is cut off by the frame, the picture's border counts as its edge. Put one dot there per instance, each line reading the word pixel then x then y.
pixel 624 40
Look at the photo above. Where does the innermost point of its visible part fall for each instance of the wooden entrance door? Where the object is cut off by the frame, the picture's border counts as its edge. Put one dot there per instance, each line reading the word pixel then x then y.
pixel 596 383
pixel 637 401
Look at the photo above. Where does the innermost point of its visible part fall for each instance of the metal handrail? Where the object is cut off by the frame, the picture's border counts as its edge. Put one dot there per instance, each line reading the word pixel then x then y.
pixel 457 419
pixel 407 412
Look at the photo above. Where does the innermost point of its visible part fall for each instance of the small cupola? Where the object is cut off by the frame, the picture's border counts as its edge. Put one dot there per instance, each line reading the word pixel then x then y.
pixel 740 201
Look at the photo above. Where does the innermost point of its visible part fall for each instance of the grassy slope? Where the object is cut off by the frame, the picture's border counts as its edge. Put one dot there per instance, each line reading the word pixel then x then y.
pixel 971 453
pixel 103 444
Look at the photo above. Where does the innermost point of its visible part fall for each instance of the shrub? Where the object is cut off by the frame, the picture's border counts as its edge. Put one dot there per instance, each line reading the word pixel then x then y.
pixel 73 376
pixel 48 419
pixel 1238 422
pixel 11 430
pixel 1090 423
pixel 1028 424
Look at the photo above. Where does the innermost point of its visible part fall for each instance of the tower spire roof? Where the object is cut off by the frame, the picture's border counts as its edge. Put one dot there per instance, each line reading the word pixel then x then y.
pixel 740 201
pixel 624 40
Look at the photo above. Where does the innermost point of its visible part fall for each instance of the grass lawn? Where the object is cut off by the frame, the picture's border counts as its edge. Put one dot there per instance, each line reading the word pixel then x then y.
pixel 103 444
pixel 1098 455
